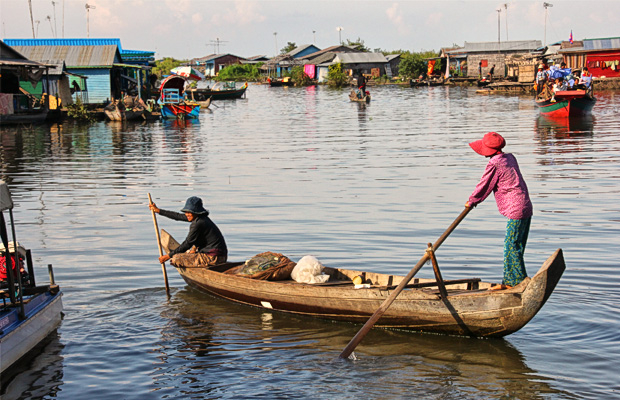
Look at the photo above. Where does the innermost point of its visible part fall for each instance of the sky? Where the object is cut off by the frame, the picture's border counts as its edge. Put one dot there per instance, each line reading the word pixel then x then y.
pixel 186 29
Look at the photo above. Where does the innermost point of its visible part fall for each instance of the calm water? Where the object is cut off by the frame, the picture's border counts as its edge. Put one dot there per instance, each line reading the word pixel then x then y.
pixel 304 171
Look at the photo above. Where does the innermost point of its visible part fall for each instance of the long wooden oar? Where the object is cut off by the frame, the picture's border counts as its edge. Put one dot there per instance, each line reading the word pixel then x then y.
pixel 387 302
pixel 161 253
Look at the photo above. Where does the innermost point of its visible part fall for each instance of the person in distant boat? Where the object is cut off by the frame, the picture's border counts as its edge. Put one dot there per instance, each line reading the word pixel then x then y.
pixel 361 84
pixel 502 176
pixel 586 79
pixel 204 241
pixel 492 71
pixel 541 78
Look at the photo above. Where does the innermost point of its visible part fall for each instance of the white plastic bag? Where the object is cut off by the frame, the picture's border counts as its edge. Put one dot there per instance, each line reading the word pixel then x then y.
pixel 309 270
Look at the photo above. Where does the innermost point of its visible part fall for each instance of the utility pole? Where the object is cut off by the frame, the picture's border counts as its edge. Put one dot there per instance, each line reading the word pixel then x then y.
pixel 275 36
pixel 506 8
pixel 31 19
pixel 546 5
pixel 339 29
pixel 63 19
pixel 51 26
pixel 88 7
pixel 55 26
pixel 313 37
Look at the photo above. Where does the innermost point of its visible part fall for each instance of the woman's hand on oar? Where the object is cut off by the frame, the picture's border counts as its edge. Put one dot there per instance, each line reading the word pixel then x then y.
pixel 164 258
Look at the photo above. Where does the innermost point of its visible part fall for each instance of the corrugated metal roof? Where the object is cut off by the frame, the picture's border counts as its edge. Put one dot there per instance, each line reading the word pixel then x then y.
pixel 79 42
pixel 325 57
pixel 601 44
pixel 299 49
pixel 512 45
pixel 390 57
pixel 359 58
pixel 74 56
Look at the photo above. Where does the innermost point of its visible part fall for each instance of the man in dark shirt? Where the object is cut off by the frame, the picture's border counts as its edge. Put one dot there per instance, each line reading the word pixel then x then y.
pixel 204 240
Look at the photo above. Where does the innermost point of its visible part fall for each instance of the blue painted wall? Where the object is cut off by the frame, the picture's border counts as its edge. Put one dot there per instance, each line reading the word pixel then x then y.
pixel 98 83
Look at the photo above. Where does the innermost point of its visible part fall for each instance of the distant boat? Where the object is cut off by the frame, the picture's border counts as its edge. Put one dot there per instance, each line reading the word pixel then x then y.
pixel 29 313
pixel 353 97
pixel 125 110
pixel 567 103
pixel 228 91
pixel 286 81
pixel 172 102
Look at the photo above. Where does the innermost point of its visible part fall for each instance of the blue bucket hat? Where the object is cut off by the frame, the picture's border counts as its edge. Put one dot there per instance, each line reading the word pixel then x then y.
pixel 194 205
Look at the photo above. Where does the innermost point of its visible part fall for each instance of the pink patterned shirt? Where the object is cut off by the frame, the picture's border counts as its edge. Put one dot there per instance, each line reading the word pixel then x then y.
pixel 503 177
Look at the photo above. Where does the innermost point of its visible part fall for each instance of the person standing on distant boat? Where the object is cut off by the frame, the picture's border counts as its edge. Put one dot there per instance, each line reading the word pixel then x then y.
pixel 502 176
pixel 492 71
pixel 204 240
pixel 361 84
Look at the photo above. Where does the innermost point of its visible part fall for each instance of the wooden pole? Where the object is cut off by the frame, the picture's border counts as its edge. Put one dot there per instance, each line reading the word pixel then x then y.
pixel 440 284
pixel 161 253
pixel 387 302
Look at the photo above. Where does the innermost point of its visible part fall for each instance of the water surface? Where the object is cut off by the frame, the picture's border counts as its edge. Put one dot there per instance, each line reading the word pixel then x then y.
pixel 304 171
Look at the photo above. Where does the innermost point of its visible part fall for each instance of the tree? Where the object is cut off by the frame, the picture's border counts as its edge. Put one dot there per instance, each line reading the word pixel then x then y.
pixel 290 46
pixel 300 77
pixel 413 65
pixel 358 45
pixel 163 67
pixel 335 76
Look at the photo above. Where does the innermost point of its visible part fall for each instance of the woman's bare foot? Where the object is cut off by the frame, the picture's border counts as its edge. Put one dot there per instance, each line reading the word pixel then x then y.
pixel 500 287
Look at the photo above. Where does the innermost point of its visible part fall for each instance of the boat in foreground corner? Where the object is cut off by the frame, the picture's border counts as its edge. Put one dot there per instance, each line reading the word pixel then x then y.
pixel 567 103
pixel 29 313
pixel 469 309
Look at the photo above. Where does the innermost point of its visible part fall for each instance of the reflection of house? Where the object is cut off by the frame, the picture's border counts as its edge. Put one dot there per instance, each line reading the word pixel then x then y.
pixel 489 54
pixel 16 105
pixel 100 60
pixel 213 63
pixel 601 56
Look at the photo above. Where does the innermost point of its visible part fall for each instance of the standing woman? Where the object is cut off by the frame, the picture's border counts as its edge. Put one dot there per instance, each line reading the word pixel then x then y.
pixel 503 177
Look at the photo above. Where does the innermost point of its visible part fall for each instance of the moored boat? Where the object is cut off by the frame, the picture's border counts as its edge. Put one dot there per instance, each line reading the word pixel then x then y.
pixel 567 103
pixel 275 82
pixel 227 92
pixel 125 110
pixel 29 313
pixel 172 102
pixel 468 309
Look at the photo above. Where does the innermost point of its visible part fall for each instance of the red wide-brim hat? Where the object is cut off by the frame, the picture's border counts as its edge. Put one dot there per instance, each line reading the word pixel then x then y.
pixel 489 145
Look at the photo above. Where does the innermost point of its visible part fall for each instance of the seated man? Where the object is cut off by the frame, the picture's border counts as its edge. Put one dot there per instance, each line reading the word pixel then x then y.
pixel 204 239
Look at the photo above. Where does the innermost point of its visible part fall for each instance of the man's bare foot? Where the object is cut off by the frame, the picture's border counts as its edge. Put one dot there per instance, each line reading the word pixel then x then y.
pixel 500 287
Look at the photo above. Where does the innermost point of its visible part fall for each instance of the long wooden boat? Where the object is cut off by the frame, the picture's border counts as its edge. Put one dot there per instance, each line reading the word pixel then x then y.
pixel 469 309
pixel 353 97
pixel 117 111
pixel 172 102
pixel 227 92
pixel 568 103
pixel 28 313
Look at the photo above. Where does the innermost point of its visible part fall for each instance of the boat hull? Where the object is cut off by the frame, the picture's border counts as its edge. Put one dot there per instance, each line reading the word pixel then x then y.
pixel 468 310
pixel 19 337
pixel 180 111
pixel 224 94
pixel 566 107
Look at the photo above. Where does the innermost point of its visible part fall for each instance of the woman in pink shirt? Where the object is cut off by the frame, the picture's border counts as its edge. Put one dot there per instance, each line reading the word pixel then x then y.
pixel 503 177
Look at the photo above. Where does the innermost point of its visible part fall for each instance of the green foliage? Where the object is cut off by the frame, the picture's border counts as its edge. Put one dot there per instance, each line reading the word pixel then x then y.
pixel 290 46
pixel 78 111
pixel 239 72
pixel 300 77
pixel 413 65
pixel 358 45
pixel 335 76
pixel 163 67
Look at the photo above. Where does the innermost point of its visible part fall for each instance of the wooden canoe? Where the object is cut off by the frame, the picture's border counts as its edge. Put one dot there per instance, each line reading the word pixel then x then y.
pixel 353 97
pixel 470 309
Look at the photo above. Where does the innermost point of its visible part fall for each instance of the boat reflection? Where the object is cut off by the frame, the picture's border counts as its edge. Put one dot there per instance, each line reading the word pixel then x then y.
pixel 210 333
pixel 42 377
pixel 563 135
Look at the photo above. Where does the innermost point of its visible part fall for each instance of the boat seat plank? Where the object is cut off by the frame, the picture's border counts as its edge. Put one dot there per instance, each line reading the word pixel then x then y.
pixel 470 281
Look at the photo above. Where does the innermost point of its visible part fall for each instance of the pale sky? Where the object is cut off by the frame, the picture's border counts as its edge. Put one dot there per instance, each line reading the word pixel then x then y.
pixel 192 28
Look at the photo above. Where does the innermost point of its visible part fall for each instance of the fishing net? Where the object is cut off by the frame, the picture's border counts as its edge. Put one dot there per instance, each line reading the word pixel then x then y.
pixel 266 266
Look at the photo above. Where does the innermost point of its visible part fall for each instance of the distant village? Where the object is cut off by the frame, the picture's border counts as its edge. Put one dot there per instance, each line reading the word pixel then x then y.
pixel 96 71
